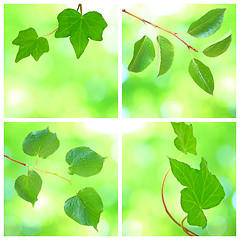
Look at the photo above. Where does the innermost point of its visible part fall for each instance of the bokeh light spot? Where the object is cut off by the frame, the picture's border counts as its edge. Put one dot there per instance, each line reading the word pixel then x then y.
pixel 30 225
pixel 170 109
pixel 219 227
pixel 132 227
pixel 144 154
pixel 95 89
pixel 227 185
pixel 8 188
pixel 226 156
pixel 108 194
pixel 234 200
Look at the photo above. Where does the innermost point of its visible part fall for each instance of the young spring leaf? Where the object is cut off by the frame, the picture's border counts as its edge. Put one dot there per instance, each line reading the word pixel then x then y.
pixel 203 190
pixel 28 186
pixel 208 24
pixel 201 75
pixel 144 54
pixel 42 143
pixel 80 28
pixel 167 54
pixel 29 43
pixel 85 208
pixel 185 141
pixel 218 48
pixel 84 162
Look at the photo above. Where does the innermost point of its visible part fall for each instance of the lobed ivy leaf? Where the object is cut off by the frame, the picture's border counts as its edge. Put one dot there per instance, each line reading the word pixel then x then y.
pixel 85 208
pixel 30 44
pixel 167 54
pixel 185 141
pixel 203 190
pixel 84 162
pixel 28 186
pixel 80 28
pixel 42 143
pixel 201 75
pixel 208 24
pixel 144 54
pixel 218 48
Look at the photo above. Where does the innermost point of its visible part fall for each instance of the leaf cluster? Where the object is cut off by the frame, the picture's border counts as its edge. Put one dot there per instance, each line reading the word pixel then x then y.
pixel 202 189
pixel 86 206
pixel 71 23
pixel 207 25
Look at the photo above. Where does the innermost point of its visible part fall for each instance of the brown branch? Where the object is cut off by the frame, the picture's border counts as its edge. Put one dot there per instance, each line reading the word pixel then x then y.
pixel 154 25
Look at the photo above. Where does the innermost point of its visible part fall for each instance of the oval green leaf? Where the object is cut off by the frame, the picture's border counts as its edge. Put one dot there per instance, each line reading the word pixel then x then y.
pixel 218 48
pixel 208 24
pixel 84 162
pixel 144 54
pixel 42 143
pixel 203 190
pixel 201 75
pixel 85 208
pixel 28 186
pixel 185 141
pixel 167 54
pixel 30 44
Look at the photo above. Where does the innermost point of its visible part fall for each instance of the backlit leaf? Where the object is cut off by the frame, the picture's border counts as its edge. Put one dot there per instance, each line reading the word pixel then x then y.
pixel 203 190
pixel 185 141
pixel 28 186
pixel 30 44
pixel 84 162
pixel 218 48
pixel 208 24
pixel 201 75
pixel 42 143
pixel 144 54
pixel 167 54
pixel 80 28
pixel 85 208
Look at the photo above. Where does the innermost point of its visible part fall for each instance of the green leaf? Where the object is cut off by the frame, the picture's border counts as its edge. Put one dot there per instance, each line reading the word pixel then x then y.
pixel 28 186
pixel 208 24
pixel 203 190
pixel 201 75
pixel 42 143
pixel 144 54
pixel 29 43
pixel 84 162
pixel 218 48
pixel 185 141
pixel 80 28
pixel 85 208
pixel 167 54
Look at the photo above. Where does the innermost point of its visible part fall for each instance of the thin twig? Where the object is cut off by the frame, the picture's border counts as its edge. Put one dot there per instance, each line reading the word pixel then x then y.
pixel 56 174
pixel 154 25
pixel 164 203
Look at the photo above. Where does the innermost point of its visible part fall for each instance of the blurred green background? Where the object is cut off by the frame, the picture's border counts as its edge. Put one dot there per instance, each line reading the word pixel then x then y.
pixel 59 84
pixel 145 151
pixel 175 94
pixel 48 218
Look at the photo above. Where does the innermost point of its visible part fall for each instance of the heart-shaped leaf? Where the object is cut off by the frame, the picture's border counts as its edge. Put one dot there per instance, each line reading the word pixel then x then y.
pixel 203 190
pixel 84 162
pixel 167 54
pixel 80 28
pixel 201 75
pixel 42 143
pixel 185 141
pixel 208 24
pixel 30 44
pixel 218 48
pixel 85 208
pixel 144 54
pixel 28 186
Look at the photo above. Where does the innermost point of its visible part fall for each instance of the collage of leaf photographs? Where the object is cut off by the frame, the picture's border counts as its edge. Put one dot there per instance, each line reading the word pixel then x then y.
pixel 119 119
